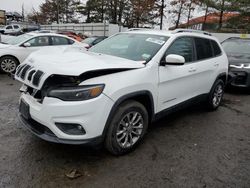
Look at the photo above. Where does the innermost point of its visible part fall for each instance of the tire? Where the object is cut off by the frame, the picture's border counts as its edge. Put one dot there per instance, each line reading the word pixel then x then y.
pixel 8 64
pixel 120 130
pixel 215 96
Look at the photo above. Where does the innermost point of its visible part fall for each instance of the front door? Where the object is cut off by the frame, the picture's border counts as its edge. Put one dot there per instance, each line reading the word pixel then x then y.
pixel 177 83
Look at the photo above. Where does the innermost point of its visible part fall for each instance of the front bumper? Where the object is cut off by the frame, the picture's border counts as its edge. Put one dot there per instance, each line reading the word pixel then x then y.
pixel 46 134
pixel 91 115
pixel 239 77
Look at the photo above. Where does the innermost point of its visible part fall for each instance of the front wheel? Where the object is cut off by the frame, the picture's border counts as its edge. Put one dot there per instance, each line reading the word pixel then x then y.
pixel 8 64
pixel 127 128
pixel 216 95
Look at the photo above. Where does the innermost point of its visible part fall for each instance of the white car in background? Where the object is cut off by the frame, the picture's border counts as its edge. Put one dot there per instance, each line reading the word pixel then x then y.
pixel 11 29
pixel 16 50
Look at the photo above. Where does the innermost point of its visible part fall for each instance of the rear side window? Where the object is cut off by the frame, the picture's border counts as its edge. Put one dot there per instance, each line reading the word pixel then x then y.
pixel 59 41
pixel 217 50
pixel 183 47
pixel 16 27
pixel 203 48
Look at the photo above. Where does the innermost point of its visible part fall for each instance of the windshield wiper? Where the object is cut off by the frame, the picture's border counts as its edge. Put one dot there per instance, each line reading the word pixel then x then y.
pixel 3 43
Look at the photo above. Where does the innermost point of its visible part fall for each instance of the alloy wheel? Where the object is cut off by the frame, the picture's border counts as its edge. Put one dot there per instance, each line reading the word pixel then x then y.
pixel 217 97
pixel 8 65
pixel 129 129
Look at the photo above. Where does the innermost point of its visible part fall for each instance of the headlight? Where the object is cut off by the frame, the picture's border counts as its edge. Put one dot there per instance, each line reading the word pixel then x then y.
pixel 78 93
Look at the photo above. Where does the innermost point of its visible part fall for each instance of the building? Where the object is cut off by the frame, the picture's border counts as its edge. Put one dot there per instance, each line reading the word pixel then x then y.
pixel 2 17
pixel 211 22
pixel 13 16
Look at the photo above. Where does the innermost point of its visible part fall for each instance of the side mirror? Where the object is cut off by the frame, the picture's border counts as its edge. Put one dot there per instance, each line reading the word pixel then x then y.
pixel 26 44
pixel 173 59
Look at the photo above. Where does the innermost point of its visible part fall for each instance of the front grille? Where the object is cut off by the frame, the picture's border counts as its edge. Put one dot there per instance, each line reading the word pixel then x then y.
pixel 38 128
pixel 31 73
pixel 20 69
pixel 241 78
pixel 24 71
pixel 37 78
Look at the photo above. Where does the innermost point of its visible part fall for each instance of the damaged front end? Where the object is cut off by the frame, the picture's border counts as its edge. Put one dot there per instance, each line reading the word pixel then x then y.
pixel 67 88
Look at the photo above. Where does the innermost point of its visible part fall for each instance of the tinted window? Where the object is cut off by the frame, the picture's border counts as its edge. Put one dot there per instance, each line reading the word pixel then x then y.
pixel 60 41
pixel 39 41
pixel 203 48
pixel 71 41
pixel 182 47
pixel 217 50
pixel 9 27
pixel 16 27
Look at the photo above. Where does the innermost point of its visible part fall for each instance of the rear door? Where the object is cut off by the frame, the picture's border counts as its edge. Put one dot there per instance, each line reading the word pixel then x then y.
pixel 178 83
pixel 60 41
pixel 206 64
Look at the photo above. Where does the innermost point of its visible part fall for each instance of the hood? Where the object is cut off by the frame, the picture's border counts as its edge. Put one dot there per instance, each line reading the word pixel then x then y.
pixel 70 62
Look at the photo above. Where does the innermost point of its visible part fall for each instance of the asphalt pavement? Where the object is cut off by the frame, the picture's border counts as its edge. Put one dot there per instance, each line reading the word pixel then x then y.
pixel 190 148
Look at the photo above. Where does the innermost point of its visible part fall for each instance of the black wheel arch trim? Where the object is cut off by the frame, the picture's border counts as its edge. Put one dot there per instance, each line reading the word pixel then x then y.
pixel 128 97
pixel 222 75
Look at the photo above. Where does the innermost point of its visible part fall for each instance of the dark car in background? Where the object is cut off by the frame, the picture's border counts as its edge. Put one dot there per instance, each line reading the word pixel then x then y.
pixel 91 41
pixel 238 52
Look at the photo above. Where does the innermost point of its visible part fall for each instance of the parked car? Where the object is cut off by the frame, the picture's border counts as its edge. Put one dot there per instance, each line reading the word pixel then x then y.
pixel 111 93
pixel 238 52
pixel 91 41
pixel 16 50
pixel 71 35
pixel 11 29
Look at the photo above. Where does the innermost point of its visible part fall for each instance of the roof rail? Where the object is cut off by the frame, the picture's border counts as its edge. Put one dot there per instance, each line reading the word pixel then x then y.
pixel 137 29
pixel 191 31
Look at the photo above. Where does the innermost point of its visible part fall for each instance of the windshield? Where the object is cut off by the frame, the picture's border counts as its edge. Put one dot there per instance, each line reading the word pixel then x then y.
pixel 19 39
pixel 237 46
pixel 137 47
pixel 89 40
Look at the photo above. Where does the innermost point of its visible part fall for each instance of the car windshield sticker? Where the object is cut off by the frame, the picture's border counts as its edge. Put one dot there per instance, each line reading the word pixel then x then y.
pixel 146 56
pixel 156 41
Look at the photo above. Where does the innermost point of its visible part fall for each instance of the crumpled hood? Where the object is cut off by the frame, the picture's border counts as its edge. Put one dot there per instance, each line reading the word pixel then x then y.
pixel 71 62
pixel 67 61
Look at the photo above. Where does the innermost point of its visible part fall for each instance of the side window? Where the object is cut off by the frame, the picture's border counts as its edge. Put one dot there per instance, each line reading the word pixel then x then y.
pixel 71 41
pixel 39 41
pixel 203 48
pixel 16 27
pixel 9 27
pixel 183 47
pixel 59 41
pixel 216 48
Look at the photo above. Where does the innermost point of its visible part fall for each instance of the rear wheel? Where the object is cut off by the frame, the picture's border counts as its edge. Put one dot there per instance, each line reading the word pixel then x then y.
pixel 8 64
pixel 127 128
pixel 216 95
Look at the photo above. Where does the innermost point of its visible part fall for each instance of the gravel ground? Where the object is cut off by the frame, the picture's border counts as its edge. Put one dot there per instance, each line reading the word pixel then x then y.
pixel 191 148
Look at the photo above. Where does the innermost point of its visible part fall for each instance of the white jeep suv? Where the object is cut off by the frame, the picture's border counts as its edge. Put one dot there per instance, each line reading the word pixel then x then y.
pixel 111 93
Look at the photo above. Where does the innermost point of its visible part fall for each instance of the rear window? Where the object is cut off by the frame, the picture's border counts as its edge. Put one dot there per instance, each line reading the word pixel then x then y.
pixel 236 46
pixel 217 50
pixel 203 48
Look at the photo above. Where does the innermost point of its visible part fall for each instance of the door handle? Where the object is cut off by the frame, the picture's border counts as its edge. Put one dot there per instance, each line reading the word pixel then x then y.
pixel 216 64
pixel 192 70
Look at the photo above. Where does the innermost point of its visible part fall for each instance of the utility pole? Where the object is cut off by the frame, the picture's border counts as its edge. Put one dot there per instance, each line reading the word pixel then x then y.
pixel 57 11
pixel 162 14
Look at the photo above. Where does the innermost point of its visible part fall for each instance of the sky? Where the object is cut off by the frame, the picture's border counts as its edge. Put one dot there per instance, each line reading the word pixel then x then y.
pixel 16 5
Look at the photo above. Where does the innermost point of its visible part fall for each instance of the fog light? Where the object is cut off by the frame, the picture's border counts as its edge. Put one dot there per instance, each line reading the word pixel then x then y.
pixel 71 128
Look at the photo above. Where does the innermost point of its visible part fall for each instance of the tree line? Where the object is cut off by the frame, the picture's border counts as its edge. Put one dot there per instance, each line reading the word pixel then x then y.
pixel 135 13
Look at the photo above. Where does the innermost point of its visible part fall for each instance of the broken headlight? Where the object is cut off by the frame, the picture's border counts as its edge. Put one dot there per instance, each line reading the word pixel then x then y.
pixel 77 93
